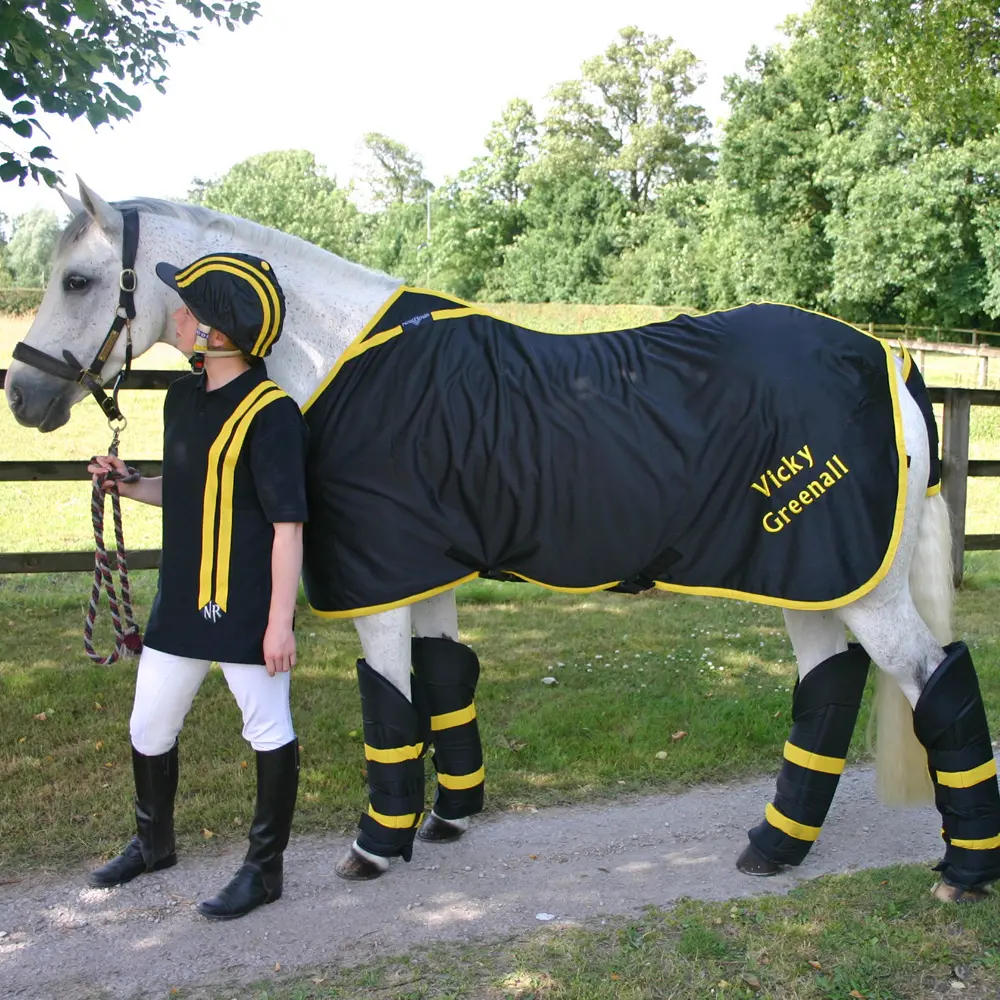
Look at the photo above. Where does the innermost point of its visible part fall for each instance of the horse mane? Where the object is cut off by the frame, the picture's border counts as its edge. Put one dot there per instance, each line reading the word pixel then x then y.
pixel 263 238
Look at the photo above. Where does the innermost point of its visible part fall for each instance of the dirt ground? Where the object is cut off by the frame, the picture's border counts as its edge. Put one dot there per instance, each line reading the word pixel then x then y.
pixel 60 939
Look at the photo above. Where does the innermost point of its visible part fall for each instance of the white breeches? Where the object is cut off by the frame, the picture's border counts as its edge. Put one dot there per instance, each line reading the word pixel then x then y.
pixel 165 687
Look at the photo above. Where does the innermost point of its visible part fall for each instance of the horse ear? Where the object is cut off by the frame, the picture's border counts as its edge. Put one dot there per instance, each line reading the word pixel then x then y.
pixel 73 204
pixel 109 219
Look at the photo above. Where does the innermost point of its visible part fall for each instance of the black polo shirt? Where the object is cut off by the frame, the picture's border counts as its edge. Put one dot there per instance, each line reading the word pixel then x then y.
pixel 233 466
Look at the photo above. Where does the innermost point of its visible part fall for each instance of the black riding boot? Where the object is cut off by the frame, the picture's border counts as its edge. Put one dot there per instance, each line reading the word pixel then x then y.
pixel 152 849
pixel 259 880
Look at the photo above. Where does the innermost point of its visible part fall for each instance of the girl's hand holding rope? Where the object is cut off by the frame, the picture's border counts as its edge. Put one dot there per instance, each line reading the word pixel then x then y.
pixel 112 475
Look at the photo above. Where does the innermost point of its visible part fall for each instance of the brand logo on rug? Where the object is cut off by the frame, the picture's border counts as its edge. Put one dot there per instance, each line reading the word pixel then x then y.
pixel 416 320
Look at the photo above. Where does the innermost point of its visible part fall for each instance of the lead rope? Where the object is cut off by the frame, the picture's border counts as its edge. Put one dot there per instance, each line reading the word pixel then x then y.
pixel 128 641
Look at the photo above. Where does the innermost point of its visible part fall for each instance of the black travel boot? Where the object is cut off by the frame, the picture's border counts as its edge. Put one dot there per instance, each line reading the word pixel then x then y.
pixel 259 880
pixel 152 849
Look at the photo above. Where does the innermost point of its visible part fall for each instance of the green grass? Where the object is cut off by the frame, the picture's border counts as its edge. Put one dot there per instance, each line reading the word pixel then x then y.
pixel 632 672
pixel 876 936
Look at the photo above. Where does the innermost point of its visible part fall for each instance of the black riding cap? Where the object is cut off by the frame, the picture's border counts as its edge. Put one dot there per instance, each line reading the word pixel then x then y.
pixel 234 293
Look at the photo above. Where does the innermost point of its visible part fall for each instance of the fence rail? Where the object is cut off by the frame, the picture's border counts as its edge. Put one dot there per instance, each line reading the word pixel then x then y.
pixel 956 468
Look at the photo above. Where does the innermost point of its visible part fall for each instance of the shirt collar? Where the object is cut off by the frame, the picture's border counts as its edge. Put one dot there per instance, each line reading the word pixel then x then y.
pixel 238 387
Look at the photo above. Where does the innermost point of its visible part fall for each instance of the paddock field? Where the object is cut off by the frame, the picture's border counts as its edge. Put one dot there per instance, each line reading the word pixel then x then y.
pixel 721 672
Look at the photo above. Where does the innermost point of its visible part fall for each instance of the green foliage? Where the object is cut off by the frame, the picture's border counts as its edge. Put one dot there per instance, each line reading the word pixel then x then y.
pixel 393 174
pixel 64 58
pixel 630 114
pixel 908 245
pixel 937 58
pixel 663 261
pixel 827 191
pixel 396 242
pixel 481 213
pixel 572 230
pixel 30 249
pixel 287 190
pixel 18 301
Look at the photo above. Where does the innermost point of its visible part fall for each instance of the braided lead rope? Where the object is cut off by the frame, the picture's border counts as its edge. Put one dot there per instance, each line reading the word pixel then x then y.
pixel 128 641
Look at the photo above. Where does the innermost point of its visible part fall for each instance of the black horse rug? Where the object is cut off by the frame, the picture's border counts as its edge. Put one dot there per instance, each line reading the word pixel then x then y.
pixel 754 453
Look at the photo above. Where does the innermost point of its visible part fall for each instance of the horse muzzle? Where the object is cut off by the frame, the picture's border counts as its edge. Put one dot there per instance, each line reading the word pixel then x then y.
pixel 36 399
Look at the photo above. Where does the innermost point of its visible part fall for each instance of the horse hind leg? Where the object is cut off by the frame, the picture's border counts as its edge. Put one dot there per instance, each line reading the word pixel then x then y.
pixel 949 720
pixel 825 706
pixel 446 673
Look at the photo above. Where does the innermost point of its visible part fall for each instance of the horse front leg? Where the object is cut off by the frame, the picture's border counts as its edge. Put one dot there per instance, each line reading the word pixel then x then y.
pixel 395 743
pixel 447 673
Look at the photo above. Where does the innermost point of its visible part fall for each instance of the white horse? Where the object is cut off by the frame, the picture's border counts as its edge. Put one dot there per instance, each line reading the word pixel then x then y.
pixel 329 302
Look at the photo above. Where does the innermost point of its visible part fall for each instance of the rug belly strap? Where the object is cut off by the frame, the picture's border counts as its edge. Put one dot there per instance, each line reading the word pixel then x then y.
pixel 950 721
pixel 394 754
pixel 824 710
pixel 447 673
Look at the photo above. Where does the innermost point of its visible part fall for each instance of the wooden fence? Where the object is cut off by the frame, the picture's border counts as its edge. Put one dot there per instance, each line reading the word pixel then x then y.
pixel 956 470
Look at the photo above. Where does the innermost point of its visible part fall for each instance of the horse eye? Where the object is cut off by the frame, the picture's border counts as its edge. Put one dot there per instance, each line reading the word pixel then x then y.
pixel 75 282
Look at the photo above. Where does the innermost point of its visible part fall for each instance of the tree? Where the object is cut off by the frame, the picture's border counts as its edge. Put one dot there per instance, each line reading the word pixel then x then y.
pixel 572 235
pixel 64 57
pixel 785 156
pixel 936 58
pixel 29 252
pixel 665 262
pixel 394 174
pixel 287 190
pixel 630 114
pixel 481 212
pixel 917 241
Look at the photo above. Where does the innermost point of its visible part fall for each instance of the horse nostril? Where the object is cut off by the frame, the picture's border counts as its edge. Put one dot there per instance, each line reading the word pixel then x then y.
pixel 15 398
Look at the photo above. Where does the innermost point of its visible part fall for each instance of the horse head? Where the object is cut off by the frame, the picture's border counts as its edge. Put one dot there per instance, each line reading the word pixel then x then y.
pixel 91 280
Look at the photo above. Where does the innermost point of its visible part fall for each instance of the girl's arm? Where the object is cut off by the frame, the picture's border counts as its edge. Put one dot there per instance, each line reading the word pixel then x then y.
pixel 286 567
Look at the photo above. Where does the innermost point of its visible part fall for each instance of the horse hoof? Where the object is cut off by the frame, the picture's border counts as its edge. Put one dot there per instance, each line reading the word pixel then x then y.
pixel 356 868
pixel 438 831
pixel 953 894
pixel 750 862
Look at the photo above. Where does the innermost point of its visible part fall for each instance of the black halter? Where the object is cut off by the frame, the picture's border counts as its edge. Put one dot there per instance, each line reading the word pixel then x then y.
pixel 71 370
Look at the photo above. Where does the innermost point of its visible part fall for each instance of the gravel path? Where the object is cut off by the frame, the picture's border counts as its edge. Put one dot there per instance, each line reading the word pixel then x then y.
pixel 62 940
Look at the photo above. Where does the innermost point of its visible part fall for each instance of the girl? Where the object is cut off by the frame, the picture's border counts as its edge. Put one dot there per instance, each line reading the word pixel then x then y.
pixel 233 499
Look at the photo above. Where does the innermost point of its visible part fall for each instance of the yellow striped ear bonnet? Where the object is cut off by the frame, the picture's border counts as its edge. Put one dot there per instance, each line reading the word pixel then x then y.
pixel 234 293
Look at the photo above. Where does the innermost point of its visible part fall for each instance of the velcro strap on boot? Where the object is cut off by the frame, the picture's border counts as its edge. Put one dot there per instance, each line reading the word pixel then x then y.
pixel 394 751
pixel 447 673
pixel 950 721
pixel 825 708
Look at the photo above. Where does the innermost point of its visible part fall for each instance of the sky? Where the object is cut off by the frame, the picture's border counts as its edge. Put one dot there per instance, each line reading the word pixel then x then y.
pixel 318 75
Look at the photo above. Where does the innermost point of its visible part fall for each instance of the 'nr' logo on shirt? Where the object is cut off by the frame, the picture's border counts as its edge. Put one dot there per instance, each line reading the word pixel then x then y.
pixel 212 612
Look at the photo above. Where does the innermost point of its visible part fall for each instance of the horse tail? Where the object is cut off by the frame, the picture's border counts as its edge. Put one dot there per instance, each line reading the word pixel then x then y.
pixel 900 759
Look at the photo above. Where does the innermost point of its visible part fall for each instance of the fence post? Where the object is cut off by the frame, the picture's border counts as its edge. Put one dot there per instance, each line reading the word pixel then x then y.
pixel 955 471
pixel 984 370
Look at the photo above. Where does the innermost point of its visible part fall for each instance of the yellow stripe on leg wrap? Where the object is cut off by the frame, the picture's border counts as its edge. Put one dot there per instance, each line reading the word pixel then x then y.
pixel 394 756
pixel 458 782
pixel 976 845
pixel 814 761
pixel 781 822
pixel 451 719
pixel 394 822
pixel 966 779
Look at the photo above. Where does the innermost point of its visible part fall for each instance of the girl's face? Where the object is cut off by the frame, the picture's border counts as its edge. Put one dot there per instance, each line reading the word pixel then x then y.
pixel 187 329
